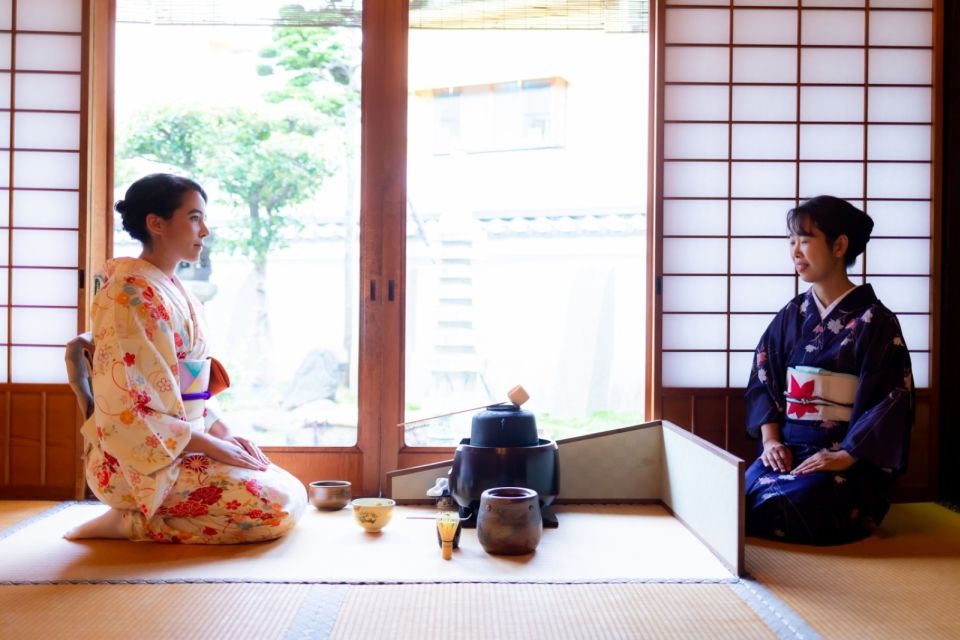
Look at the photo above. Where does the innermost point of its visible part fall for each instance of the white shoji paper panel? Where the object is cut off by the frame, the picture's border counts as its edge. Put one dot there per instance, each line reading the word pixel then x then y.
pixel 834 3
pixel 50 15
pixel 698 369
pixel 892 218
pixel 45 248
pixel 695 103
pixel 695 217
pixel 5 51
pixel 896 180
pixel 763 179
pixel 898 142
pixel 900 104
pixel 764 141
pixel 763 294
pixel 920 363
pixel 52 287
pixel 698 26
pixel 4 90
pixel 833 28
pixel 697 64
pixel 4 255
pixel 902 4
pixel 4 297
pixel 692 141
pixel 4 169
pixel 746 329
pixel 694 293
pixel 3 328
pixel 831 142
pixel 901 28
pixel 831 66
pixel 53 91
pixel 4 207
pixel 3 359
pixel 46 208
pixel 6 18
pixel 760 217
pixel 740 363
pixel 37 364
pixel 856 268
pixel 694 179
pixel 900 66
pixel 764 103
pixel 764 65
pixel 702 2
pixel 765 3
pixel 5 129
pixel 46 130
pixel 694 331
pixel 46 170
pixel 896 256
pixel 43 326
pixel 903 295
pixel 694 255
pixel 844 180
pixel 759 255
pixel 765 27
pixel 48 52
pixel 834 104
pixel 916 331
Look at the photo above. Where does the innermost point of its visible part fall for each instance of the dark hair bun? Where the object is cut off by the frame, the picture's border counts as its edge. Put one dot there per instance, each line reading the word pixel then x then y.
pixel 157 193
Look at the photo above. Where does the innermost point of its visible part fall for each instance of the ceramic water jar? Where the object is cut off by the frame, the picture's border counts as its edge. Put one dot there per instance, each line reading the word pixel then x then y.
pixel 509 522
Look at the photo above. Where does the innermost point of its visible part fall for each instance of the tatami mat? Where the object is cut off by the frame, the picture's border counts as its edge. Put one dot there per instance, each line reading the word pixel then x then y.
pixel 903 582
pixel 581 612
pixel 14 511
pixel 597 543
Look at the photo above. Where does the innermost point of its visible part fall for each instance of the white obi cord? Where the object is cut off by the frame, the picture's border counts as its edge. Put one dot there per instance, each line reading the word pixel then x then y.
pixel 817 394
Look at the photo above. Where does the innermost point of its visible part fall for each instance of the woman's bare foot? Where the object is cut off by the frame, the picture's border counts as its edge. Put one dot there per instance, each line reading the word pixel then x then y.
pixel 108 525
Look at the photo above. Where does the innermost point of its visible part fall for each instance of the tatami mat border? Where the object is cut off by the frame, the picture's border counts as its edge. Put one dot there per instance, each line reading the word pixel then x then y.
pixel 777 615
pixel 377 582
pixel 12 529
pixel 318 613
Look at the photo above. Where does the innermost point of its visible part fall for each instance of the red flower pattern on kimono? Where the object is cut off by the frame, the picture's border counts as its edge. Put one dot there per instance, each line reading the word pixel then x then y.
pixel 800 392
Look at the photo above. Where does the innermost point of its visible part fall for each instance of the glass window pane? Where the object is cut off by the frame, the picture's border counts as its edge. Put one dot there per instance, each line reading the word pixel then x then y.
pixel 900 66
pixel 760 293
pixel 694 141
pixel 46 208
pixel 46 170
pixel 898 142
pixel 900 104
pixel 764 179
pixel 901 28
pixel 896 180
pixel 832 66
pixel 747 328
pixel 831 142
pixel 904 294
pixel 832 27
pixel 37 364
pixel 695 217
pixel 694 179
pixel 49 15
pixel 896 256
pixel 892 218
pixel 834 104
pixel 764 65
pixel 694 293
pixel 46 131
pixel 55 91
pixel 43 326
pixel 48 52
pixel 699 369
pixel 695 103
pixel 760 217
pixel 698 26
pixel 764 141
pixel 755 255
pixel 694 255
pixel 45 248
pixel 697 64
pixel 764 27
pixel 764 103
pixel 53 287
pixel 695 331
pixel 844 180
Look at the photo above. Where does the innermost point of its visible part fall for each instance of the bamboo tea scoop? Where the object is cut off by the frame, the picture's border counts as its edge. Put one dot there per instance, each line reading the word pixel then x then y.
pixel 517 395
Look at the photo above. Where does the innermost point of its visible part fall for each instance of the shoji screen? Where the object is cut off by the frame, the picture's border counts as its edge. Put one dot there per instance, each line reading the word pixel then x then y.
pixel 40 137
pixel 766 103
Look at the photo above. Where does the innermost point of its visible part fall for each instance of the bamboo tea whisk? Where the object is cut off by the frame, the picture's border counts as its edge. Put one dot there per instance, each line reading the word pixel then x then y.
pixel 447 523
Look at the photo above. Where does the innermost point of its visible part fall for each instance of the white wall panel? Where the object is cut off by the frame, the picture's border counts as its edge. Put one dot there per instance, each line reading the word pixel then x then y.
pixel 900 66
pixel 37 364
pixel 746 328
pixel 899 104
pixel 760 293
pixel 696 64
pixel 50 15
pixel 694 141
pixel 832 28
pixel 831 142
pixel 695 179
pixel 759 255
pixel 894 256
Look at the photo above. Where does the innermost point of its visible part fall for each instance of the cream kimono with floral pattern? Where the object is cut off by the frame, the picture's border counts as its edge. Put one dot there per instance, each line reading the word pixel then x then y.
pixel 144 323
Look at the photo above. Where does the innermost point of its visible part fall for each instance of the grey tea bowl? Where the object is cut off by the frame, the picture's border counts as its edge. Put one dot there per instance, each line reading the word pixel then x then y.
pixel 329 495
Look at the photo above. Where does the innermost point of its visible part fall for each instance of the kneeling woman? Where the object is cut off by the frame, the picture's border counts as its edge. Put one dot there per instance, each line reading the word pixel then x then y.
pixel 830 392
pixel 166 464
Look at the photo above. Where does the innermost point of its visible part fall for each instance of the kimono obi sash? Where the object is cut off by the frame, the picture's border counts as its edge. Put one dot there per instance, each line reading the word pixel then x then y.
pixel 817 394
pixel 194 388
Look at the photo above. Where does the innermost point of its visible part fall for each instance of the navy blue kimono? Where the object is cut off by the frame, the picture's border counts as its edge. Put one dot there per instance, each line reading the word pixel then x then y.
pixel 860 337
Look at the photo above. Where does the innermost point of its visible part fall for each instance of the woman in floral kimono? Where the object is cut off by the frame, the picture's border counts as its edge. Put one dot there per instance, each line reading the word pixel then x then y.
pixel 167 465
pixel 830 392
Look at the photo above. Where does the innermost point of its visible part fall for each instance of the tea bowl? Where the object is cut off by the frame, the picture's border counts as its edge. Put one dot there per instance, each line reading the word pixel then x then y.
pixel 373 514
pixel 329 495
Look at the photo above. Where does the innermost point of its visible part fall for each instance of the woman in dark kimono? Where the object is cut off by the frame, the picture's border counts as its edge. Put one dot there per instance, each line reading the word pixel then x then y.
pixel 830 392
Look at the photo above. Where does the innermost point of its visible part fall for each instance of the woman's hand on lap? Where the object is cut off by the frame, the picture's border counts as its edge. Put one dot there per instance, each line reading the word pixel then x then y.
pixel 226 451
pixel 776 456
pixel 825 461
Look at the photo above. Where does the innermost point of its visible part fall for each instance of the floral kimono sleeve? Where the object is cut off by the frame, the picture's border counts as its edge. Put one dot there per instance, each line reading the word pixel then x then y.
pixel 139 414
pixel 764 394
pixel 883 407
